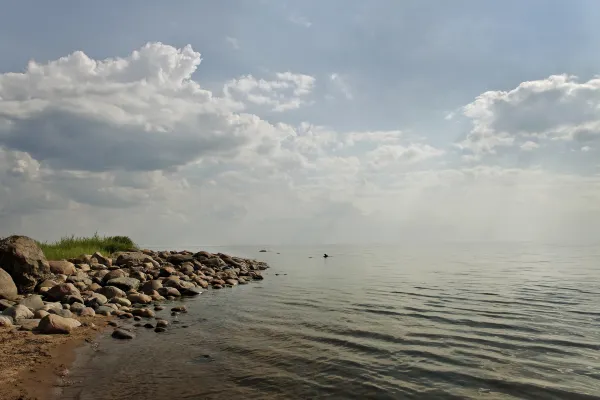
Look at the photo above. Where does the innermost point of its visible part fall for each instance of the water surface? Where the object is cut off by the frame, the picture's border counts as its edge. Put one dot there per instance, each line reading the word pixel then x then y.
pixel 379 322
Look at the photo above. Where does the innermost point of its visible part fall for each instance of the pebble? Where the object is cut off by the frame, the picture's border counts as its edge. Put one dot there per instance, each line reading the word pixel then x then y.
pixel 159 330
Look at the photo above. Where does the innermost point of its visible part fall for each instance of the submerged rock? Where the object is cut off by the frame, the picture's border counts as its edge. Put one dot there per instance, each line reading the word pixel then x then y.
pixel 122 334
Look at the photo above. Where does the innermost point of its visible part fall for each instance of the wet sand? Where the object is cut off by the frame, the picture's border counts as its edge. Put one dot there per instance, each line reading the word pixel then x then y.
pixel 35 366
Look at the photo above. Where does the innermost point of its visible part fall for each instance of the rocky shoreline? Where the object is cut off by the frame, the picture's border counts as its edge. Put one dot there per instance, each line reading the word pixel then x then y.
pixel 40 297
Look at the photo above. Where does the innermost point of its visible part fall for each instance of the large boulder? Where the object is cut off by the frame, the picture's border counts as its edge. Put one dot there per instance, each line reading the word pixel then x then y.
pixel 62 267
pixel 102 259
pixel 52 324
pixel 150 286
pixel 24 261
pixel 5 321
pixel 123 258
pixel 8 289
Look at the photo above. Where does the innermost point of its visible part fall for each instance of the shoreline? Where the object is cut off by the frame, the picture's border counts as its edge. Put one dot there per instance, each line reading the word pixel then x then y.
pixel 77 300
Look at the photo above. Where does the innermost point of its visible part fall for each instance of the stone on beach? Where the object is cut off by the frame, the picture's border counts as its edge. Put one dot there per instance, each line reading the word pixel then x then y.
pixel 60 291
pixel 33 302
pixel 125 283
pixel 55 324
pixel 18 312
pixel 63 267
pixel 8 289
pixel 24 261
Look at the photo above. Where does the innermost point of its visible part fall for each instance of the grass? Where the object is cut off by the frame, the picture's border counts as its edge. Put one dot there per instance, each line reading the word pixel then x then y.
pixel 72 247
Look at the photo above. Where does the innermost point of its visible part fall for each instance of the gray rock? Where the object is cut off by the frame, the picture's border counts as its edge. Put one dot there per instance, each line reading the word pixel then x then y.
pixel 121 301
pixel 33 302
pixel 96 300
pixel 112 291
pixel 8 289
pixel 130 257
pixel 102 259
pixel 87 312
pixel 179 309
pixel 63 313
pixel 29 324
pixel 139 298
pixel 18 312
pixel 143 312
pixel 114 274
pixel 125 283
pixel 150 286
pixel 194 291
pixel 105 310
pixel 77 307
pixel 122 334
pixel 4 304
pixel 71 299
pixel 24 261
pixel 159 329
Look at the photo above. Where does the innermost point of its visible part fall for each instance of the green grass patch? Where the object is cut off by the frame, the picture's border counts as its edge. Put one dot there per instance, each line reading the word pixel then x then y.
pixel 72 246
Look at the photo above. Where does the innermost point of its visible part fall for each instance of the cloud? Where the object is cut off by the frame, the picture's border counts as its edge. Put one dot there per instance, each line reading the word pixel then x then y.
pixel 137 145
pixel 341 85
pixel 558 108
pixel 287 91
pixel 233 42
pixel 300 21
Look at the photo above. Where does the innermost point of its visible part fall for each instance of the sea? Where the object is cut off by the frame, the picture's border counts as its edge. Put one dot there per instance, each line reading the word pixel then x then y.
pixel 450 321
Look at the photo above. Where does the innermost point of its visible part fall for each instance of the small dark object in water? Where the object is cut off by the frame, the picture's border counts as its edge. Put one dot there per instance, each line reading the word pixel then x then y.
pixel 325 255
pixel 263 251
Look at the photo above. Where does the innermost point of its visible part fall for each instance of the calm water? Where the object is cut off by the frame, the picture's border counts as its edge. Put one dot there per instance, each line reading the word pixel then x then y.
pixel 446 322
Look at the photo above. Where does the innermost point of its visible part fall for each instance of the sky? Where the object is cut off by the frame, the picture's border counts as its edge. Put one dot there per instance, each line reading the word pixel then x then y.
pixel 315 122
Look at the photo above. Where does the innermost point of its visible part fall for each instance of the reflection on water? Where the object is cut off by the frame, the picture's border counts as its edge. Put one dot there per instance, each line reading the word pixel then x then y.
pixel 504 322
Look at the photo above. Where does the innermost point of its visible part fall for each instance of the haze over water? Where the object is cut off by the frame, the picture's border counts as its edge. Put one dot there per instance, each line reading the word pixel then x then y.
pixel 501 321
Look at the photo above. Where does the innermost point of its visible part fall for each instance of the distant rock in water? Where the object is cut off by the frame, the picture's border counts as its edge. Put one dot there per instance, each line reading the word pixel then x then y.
pixel 325 255
pixel 262 251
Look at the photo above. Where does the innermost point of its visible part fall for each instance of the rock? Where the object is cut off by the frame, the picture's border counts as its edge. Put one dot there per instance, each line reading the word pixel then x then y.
pixel 139 298
pixel 5 321
pixel 111 292
pixel 60 291
pixel 122 334
pixel 150 286
pixel 8 289
pixel 121 301
pixel 125 283
pixel 94 287
pixel 262 251
pixel 53 324
pixel 167 271
pixel 39 314
pixel 70 299
pixel 84 267
pixel 102 260
pixel 143 312
pixel 158 308
pixel 161 323
pixel 179 309
pixel 18 312
pixel 50 306
pixel 29 324
pixel 24 261
pixel 87 312
pixel 180 258
pixel 63 313
pixel 191 291
pixel 66 306
pixel 257 275
pixel 137 318
pixel 48 283
pixel 217 286
pixel 4 304
pixel 77 308
pixel 130 257
pixel 169 291
pixel 148 326
pixel 202 283
pixel 63 267
pixel 105 310
pixel 114 274
pixel 96 300
pixel 112 323
pixel 33 302
pixel 159 329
